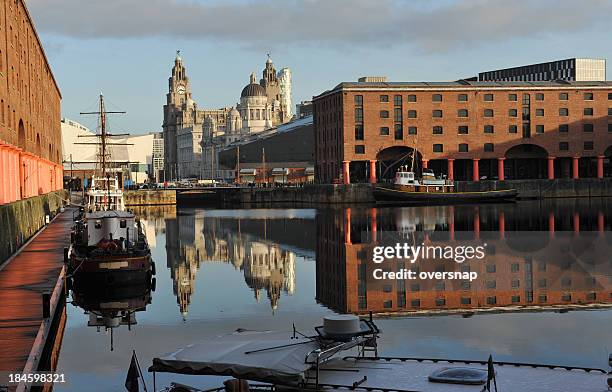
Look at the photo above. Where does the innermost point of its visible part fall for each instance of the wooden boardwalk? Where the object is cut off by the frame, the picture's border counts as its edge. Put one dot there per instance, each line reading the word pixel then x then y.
pixel 23 280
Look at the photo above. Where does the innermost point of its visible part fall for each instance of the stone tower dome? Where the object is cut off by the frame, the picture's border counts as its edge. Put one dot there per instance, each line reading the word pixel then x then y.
pixel 253 89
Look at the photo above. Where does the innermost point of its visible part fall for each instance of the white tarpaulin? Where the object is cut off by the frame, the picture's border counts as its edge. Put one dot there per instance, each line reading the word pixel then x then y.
pixel 232 355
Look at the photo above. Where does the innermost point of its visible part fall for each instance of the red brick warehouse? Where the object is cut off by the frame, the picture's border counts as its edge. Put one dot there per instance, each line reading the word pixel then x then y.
pixel 30 129
pixel 465 130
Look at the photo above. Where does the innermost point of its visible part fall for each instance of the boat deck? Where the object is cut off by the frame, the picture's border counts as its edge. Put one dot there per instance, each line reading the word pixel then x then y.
pixel 412 375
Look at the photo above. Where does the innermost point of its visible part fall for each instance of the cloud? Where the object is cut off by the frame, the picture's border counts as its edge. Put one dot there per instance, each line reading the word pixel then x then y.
pixel 357 23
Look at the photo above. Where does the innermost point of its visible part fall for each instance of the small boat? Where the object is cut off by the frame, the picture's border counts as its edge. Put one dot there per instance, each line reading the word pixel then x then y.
pixel 108 243
pixel 407 189
pixel 342 354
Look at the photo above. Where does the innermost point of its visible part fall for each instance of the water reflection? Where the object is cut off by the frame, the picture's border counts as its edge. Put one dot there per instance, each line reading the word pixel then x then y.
pixel 109 307
pixel 247 242
pixel 306 262
pixel 536 258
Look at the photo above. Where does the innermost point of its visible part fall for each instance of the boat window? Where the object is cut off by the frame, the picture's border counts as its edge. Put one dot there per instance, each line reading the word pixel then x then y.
pixel 460 375
pixel 98 224
pixel 123 223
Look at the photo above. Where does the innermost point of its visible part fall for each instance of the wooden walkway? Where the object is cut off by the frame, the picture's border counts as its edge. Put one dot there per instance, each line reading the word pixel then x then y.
pixel 23 280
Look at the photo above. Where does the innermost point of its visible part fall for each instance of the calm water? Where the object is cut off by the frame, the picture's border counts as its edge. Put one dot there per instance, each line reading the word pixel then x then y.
pixel 218 270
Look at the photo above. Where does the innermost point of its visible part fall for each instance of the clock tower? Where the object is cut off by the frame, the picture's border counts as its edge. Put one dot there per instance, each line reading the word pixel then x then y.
pixel 179 112
pixel 179 92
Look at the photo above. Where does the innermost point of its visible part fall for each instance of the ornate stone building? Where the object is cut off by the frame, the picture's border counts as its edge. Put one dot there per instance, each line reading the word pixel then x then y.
pixel 193 137
pixel 182 126
pixel 262 106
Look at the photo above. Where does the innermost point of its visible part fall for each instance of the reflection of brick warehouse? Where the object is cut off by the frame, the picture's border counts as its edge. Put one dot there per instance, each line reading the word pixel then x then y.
pixel 466 130
pixel 510 276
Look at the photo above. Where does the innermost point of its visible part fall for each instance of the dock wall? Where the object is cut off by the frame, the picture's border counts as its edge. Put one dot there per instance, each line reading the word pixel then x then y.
pixel 308 194
pixel 145 197
pixel 545 189
pixel 20 220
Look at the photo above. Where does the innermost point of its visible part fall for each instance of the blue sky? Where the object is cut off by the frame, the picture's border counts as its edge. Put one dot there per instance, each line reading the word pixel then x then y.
pixel 126 49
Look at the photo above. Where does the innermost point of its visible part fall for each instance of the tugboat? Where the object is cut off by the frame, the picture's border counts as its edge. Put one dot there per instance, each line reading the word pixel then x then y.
pixel 108 242
pixel 407 189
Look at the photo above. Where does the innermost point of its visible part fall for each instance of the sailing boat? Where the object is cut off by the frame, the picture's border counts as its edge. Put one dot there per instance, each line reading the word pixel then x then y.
pixel 407 188
pixel 108 242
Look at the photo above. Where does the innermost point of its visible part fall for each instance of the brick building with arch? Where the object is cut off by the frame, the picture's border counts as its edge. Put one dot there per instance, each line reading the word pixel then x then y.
pixel 30 132
pixel 465 130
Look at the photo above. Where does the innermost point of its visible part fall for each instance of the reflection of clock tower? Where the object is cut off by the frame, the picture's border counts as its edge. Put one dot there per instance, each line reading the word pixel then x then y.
pixel 179 112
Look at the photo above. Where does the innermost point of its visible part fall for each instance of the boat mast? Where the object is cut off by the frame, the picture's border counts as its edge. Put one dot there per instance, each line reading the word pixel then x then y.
pixel 102 120
pixel 104 156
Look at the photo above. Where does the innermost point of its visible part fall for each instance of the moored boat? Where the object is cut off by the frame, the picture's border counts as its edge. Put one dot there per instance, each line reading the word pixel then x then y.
pixel 407 189
pixel 108 243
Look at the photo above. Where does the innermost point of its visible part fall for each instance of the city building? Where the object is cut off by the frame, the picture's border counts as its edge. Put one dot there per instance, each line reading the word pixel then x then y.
pixel 284 154
pixel 30 137
pixel 131 157
pixel 574 69
pixel 464 130
pixel 158 156
pixel 194 136
pixel 182 116
pixel 303 109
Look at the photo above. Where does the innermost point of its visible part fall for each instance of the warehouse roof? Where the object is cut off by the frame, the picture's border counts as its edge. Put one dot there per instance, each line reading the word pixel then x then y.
pixel 465 84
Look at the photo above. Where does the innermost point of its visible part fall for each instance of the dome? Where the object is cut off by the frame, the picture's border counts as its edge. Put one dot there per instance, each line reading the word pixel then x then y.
pixel 253 90
pixel 234 113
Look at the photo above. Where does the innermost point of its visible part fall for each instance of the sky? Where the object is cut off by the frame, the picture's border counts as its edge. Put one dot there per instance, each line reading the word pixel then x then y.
pixel 126 49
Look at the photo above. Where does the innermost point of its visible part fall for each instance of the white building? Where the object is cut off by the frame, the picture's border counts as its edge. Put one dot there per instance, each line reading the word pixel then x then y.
pixel 189 151
pixel 254 108
pixel 133 155
pixel 286 101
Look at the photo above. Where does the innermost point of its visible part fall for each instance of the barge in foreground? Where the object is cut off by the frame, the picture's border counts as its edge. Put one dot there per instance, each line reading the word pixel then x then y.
pixel 343 355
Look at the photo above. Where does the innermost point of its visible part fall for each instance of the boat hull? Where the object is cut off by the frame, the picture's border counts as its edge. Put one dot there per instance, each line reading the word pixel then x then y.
pixel 392 195
pixel 112 271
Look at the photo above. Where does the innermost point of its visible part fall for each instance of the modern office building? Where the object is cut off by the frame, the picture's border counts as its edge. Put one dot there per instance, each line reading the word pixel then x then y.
pixel 464 130
pixel 158 156
pixel 30 137
pixel 573 70
pixel 132 156
pixel 303 109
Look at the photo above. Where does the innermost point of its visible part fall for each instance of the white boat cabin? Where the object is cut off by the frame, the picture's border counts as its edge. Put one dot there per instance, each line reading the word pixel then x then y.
pixel 105 194
pixel 109 226
pixel 404 176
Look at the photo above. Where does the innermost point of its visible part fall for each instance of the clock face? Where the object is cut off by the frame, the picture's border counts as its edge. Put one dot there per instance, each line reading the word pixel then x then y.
pixel 180 89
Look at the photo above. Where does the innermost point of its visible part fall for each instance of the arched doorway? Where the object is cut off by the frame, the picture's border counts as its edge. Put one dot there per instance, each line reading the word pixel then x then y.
pixel 526 161
pixel 21 136
pixel 391 158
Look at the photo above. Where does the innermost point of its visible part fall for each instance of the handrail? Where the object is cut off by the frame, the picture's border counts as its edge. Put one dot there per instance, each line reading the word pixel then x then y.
pixel 480 362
